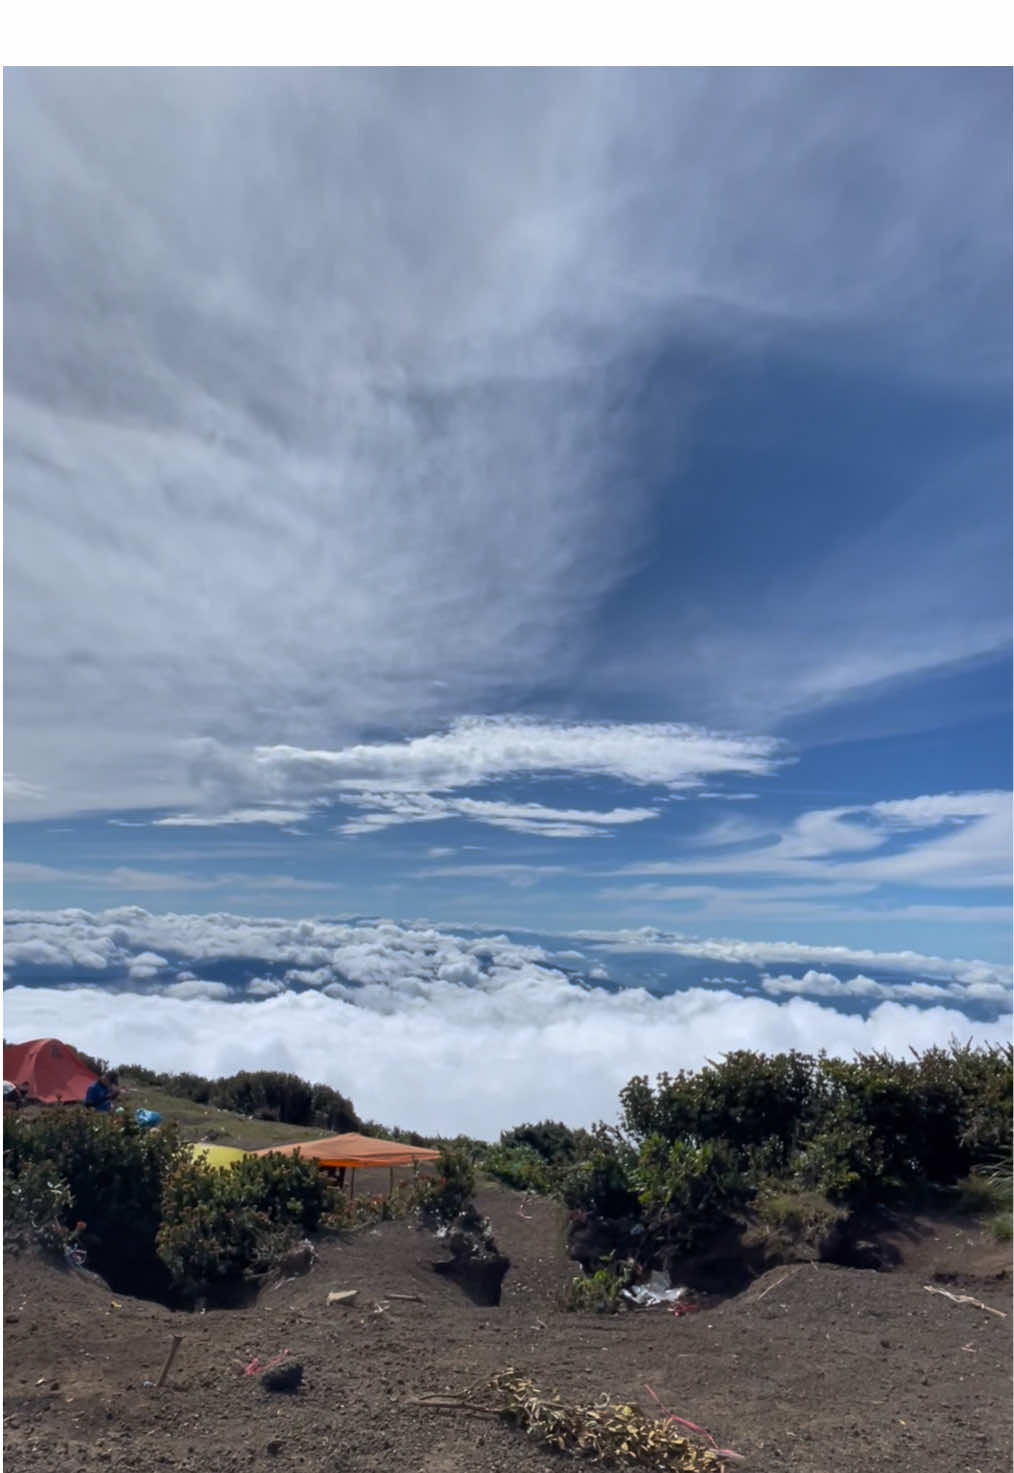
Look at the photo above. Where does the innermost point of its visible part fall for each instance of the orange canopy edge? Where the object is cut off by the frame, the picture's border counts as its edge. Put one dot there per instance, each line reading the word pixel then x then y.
pixel 352 1149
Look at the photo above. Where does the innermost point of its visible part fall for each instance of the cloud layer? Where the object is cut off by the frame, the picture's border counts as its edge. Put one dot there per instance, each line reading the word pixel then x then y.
pixel 449 1032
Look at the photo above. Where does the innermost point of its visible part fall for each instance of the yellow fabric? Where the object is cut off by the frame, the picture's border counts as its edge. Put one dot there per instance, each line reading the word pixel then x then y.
pixel 216 1155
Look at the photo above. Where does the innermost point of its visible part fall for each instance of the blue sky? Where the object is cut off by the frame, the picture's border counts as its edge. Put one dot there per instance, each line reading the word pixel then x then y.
pixel 533 500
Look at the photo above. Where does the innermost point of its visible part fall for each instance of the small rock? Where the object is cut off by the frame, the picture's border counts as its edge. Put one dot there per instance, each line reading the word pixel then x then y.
pixel 285 1377
pixel 274 1448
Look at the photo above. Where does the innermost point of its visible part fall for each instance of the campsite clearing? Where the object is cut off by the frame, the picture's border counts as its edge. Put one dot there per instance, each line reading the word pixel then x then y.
pixel 822 1369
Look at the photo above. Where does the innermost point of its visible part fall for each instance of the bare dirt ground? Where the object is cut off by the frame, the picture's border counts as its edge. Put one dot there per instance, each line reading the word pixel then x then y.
pixel 811 1369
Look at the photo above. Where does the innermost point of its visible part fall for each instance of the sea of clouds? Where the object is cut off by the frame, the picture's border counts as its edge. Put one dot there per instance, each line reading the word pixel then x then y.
pixel 457 1031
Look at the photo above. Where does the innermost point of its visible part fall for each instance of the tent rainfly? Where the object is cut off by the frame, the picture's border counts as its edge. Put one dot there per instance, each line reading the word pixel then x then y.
pixel 354 1150
pixel 51 1072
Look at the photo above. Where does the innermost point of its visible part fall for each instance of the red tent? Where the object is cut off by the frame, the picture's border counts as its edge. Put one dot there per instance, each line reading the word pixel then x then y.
pixel 53 1073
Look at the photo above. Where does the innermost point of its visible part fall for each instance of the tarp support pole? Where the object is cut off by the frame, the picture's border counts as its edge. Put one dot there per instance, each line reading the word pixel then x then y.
pixel 352 1183
pixel 391 1186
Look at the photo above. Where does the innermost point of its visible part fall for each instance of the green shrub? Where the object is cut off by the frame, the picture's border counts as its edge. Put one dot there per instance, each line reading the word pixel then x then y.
pixel 263 1094
pixel 599 1292
pixel 520 1167
pixel 601 1183
pixel 220 1228
pixel 551 1140
pixel 447 1194
pixel 287 1189
pixel 688 1194
pixel 212 1237
pixel 114 1174
pixel 868 1129
pixel 38 1205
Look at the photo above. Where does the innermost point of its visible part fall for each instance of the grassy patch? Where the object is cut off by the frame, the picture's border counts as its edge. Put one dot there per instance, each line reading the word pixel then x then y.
pixel 206 1123
pixel 789 1224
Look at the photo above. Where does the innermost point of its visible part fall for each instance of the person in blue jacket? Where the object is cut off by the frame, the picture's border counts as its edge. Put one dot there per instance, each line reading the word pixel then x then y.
pixel 102 1092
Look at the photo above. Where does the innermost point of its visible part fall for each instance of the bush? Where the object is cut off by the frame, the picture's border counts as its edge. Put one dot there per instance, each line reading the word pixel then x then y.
pixel 287 1189
pixel 520 1167
pixel 448 1194
pixel 38 1205
pixel 221 1228
pixel 601 1183
pixel 599 1292
pixel 862 1130
pixel 688 1194
pixel 551 1140
pixel 114 1174
pixel 212 1238
pixel 152 1219
pixel 264 1094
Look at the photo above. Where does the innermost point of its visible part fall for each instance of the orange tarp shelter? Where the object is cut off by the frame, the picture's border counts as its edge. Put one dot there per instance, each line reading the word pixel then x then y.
pixel 53 1072
pixel 355 1150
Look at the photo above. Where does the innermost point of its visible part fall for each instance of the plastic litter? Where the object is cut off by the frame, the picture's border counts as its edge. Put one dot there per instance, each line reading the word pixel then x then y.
pixel 256 1368
pixel 658 1290
pixel 147 1118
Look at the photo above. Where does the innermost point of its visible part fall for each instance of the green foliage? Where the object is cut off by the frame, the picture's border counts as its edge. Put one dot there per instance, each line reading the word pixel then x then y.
pixel 688 1194
pixel 599 1292
pixel 113 1172
pixel 148 1215
pixel 286 1188
pixel 447 1194
pixel 553 1141
pixel 38 1205
pixel 222 1227
pixel 858 1130
pixel 212 1237
pixel 520 1167
pixel 536 1158
pixel 601 1183
pixel 1002 1227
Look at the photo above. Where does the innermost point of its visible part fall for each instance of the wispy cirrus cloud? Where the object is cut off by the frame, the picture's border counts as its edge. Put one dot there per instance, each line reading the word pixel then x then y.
pixel 960 840
pixel 281 817
pixel 419 779
pixel 412 511
pixel 129 880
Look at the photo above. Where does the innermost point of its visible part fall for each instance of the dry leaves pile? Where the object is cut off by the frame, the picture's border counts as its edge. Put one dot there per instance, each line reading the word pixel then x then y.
pixel 602 1433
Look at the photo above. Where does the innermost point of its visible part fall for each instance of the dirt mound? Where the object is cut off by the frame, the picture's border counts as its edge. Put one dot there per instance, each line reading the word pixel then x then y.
pixel 810 1369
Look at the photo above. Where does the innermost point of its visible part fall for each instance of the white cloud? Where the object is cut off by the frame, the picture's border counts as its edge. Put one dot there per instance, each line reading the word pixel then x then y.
pixel 481 749
pixel 194 987
pixel 126 880
pixel 145 965
pixel 648 940
pixel 407 1018
pixel 421 1059
pixel 951 839
pixel 278 816
pixel 16 787
pixel 417 780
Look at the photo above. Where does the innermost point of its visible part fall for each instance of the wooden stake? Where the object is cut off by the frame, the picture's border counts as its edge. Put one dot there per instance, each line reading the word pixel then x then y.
pixel 163 1373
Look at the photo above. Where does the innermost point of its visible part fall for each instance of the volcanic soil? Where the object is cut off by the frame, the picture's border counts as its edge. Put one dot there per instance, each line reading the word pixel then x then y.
pixel 810 1369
